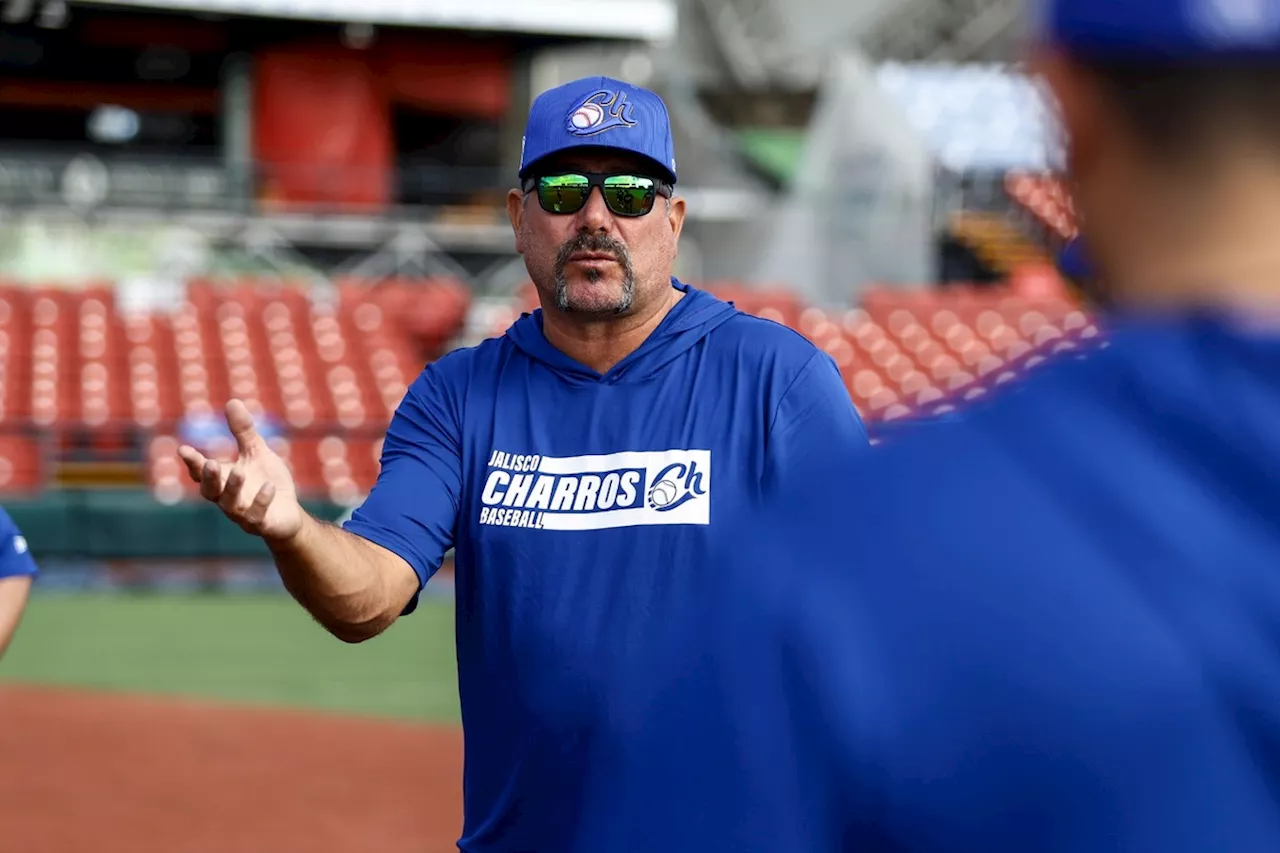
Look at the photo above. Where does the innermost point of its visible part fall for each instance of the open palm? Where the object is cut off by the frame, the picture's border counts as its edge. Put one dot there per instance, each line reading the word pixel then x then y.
pixel 256 491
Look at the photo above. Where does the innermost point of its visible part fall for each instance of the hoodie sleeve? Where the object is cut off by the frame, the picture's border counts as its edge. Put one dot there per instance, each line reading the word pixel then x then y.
pixel 815 424
pixel 413 508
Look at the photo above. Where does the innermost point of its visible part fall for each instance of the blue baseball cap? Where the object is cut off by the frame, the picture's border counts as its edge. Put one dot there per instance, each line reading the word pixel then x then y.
pixel 599 112
pixel 1155 29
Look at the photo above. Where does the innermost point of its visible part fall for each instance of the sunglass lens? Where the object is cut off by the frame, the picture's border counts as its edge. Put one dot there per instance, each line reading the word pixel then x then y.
pixel 563 193
pixel 629 195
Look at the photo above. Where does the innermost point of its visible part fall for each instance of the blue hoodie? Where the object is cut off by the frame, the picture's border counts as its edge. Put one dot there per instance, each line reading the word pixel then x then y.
pixel 582 507
pixel 1050 625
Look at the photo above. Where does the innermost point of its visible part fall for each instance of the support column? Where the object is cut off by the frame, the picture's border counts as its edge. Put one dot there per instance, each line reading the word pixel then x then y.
pixel 236 126
pixel 522 96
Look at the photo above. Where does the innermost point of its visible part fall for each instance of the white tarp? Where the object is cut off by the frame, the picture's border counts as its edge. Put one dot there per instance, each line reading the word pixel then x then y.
pixel 642 20
pixel 860 209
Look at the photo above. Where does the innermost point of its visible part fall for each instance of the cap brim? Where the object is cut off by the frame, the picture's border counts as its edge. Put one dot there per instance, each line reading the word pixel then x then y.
pixel 611 150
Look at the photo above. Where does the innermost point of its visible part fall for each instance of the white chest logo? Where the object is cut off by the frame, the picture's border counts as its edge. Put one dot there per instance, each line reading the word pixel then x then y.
pixel 634 488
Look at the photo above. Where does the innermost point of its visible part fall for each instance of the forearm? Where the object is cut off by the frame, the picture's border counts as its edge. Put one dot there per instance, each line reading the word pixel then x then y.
pixel 352 587
pixel 13 601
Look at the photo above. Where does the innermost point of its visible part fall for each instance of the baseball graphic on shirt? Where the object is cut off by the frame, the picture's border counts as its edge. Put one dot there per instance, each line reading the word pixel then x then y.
pixel 662 494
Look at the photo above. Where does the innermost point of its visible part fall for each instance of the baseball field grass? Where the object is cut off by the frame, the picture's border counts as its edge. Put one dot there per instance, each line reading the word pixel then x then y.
pixel 257 649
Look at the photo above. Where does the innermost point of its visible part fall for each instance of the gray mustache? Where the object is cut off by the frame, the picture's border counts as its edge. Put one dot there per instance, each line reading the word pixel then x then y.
pixel 593 243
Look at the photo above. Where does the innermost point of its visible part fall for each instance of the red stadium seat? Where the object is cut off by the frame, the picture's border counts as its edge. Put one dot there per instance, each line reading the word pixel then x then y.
pixel 929 354
pixel 810 319
pixel 883 352
pixel 21 470
pixel 960 379
pixel 944 368
pixel 898 368
pixel 915 337
pixel 865 383
pixel 987 365
pixel 881 399
pixel 974 353
pixel 927 396
pixel 1046 197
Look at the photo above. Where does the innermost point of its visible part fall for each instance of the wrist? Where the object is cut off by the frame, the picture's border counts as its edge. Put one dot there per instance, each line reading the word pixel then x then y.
pixel 283 546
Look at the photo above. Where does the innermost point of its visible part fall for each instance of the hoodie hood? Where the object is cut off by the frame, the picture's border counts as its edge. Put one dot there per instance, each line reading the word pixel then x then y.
pixel 689 321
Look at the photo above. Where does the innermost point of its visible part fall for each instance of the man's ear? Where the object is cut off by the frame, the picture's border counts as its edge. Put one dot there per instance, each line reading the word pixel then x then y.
pixel 675 215
pixel 516 212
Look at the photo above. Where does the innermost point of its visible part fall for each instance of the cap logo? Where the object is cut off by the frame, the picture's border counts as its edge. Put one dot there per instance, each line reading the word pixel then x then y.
pixel 601 111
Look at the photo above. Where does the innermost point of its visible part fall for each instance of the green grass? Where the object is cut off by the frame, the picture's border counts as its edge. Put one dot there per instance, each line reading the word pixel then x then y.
pixel 261 649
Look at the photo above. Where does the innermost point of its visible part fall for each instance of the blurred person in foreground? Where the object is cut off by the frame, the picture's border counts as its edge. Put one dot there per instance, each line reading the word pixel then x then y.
pixel 1051 625
pixel 580 465
pixel 17 573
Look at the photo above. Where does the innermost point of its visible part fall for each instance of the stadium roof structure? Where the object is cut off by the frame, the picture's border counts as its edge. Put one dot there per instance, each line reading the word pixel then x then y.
pixel 631 20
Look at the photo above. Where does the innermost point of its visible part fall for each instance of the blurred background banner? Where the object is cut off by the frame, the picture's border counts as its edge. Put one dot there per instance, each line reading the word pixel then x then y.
pixel 301 204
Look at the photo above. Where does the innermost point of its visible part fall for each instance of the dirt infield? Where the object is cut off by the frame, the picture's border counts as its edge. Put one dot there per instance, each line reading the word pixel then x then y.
pixel 91 773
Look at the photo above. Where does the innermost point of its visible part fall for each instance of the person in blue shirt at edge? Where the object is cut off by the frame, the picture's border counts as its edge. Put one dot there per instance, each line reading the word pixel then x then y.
pixel 580 465
pixel 17 573
pixel 1051 625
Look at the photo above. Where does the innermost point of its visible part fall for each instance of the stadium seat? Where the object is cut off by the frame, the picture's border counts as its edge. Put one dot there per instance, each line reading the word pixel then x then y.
pixel 1046 198
pixel 166 474
pixel 21 470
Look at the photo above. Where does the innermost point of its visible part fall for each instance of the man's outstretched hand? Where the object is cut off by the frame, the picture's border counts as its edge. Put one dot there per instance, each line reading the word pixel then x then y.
pixel 256 491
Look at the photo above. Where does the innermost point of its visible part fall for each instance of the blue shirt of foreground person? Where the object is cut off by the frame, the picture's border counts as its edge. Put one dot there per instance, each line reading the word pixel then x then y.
pixel 1051 625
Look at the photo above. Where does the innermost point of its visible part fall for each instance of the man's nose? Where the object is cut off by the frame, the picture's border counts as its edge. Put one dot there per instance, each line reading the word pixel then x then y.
pixel 595 216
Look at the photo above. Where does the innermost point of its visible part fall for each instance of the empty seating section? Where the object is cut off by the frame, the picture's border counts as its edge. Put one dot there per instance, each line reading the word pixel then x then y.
pixel 918 354
pixel 913 354
pixel 327 375
pixel 330 374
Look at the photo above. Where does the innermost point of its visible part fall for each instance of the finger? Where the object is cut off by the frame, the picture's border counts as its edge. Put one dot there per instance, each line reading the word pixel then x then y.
pixel 211 480
pixel 230 498
pixel 240 420
pixel 194 461
pixel 256 514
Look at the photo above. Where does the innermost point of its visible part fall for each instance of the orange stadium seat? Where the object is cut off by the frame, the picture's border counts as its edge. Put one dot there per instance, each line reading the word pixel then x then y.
pixel 20 464
pixel 1046 197
pixel 15 355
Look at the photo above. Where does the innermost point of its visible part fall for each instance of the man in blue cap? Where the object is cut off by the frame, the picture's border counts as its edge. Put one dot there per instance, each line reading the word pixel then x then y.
pixel 1051 625
pixel 581 466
